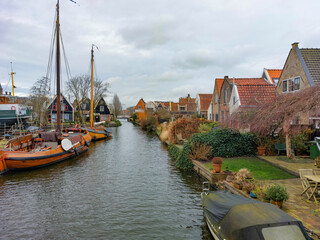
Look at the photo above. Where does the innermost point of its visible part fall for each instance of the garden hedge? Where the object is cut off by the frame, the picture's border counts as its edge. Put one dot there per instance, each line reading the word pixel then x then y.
pixel 223 142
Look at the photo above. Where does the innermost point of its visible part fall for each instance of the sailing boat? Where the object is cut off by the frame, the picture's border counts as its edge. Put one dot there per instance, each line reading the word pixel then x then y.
pixel 44 148
pixel 96 133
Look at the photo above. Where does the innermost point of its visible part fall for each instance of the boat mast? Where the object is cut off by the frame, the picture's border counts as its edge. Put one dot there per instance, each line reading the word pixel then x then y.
pixel 58 71
pixel 12 73
pixel 91 112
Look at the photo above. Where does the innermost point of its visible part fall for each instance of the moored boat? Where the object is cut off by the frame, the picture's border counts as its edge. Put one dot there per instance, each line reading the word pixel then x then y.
pixel 233 217
pixel 38 150
pixel 96 133
pixel 44 148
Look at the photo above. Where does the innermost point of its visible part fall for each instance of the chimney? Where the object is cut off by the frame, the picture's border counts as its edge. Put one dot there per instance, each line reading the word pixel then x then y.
pixel 295 45
pixel 226 77
pixel 6 93
pixel 10 93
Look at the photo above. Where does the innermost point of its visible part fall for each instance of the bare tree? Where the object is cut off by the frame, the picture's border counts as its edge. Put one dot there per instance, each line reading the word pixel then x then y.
pixel 100 89
pixel 116 106
pixel 287 109
pixel 78 87
pixel 39 93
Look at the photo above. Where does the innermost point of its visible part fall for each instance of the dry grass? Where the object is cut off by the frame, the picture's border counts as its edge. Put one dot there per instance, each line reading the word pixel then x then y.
pixel 199 152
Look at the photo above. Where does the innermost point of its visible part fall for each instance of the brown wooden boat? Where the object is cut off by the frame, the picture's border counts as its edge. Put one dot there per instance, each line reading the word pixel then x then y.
pixel 3 164
pixel 38 150
pixel 44 148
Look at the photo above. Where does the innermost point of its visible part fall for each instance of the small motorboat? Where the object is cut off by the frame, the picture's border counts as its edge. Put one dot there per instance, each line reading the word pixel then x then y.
pixel 233 217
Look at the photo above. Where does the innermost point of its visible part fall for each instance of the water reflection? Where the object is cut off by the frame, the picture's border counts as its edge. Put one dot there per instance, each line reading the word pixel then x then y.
pixel 125 188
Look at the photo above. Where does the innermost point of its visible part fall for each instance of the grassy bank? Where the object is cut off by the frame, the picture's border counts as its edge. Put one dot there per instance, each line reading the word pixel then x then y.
pixel 260 170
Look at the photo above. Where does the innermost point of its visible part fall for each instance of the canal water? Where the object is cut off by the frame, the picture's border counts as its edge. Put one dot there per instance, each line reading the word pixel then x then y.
pixel 123 188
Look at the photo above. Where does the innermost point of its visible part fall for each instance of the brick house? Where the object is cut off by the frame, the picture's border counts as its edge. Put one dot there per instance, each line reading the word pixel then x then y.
pixel 215 99
pixel 301 70
pixel 140 110
pixel 225 94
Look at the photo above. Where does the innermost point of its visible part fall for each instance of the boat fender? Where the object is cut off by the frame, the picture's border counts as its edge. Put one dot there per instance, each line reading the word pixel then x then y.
pixel 13 108
pixel 76 151
pixel 86 143
pixel 94 137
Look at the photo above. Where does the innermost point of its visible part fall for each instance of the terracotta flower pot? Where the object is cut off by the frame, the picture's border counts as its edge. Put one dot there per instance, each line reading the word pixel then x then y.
pixel 278 203
pixel 237 185
pixel 261 151
pixel 216 168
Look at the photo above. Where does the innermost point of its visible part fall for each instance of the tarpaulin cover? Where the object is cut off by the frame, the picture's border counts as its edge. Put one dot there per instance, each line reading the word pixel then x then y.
pixel 242 218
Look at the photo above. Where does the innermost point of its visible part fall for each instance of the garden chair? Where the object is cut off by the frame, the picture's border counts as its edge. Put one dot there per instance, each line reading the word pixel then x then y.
pixel 306 185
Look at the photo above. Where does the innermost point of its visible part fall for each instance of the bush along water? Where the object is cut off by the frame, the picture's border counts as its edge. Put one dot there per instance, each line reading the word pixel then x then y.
pixel 222 142
pixel 174 151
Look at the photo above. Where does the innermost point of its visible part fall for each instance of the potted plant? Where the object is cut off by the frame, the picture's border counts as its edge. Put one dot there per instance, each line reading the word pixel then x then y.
pixel 261 148
pixel 260 191
pixel 217 163
pixel 277 194
pixel 249 186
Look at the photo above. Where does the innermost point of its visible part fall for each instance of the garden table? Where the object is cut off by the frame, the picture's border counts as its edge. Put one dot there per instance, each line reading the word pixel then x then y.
pixel 315 179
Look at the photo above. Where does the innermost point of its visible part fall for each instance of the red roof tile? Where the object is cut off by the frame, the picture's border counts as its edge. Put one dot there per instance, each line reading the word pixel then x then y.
pixel 274 73
pixel 219 82
pixel 205 100
pixel 241 81
pixel 253 94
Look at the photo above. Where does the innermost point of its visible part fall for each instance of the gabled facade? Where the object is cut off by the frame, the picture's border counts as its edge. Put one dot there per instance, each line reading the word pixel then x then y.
pixel 203 101
pixel 301 70
pixel 216 99
pixel 140 110
pixel 272 76
pixel 101 111
pixel 225 94
pixel 251 95
pixel 67 111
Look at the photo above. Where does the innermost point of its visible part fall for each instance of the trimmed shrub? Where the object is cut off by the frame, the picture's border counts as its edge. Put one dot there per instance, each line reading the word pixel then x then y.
pixel 222 142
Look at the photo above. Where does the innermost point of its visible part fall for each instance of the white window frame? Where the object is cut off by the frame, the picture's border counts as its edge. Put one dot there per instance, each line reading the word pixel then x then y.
pixel 291 84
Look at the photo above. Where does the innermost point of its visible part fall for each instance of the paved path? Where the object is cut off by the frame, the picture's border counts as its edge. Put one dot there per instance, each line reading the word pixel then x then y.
pixel 298 206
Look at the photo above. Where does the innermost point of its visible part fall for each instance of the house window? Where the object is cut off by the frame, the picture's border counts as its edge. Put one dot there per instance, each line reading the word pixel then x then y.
pixel 101 108
pixel 216 98
pixel 139 107
pixel 234 100
pixel 182 108
pixel 291 85
pixel 297 83
pixel 222 116
pixel 284 86
pixel 84 106
pixel 227 115
pixel 217 117
pixel 225 96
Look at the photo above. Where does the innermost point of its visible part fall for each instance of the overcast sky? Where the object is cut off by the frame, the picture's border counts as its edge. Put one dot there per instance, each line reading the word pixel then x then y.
pixel 158 50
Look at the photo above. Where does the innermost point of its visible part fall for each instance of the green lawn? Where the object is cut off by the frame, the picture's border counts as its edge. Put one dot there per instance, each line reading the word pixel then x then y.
pixel 295 159
pixel 260 170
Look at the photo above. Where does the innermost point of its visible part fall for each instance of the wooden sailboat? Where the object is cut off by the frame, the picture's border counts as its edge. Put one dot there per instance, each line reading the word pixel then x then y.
pixel 46 148
pixel 96 133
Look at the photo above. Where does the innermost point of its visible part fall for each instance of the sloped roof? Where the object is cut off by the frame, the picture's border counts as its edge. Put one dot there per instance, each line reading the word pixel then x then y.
pixel 311 56
pixel 274 73
pixel 253 94
pixel 205 100
pixel 245 81
pixel 218 83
